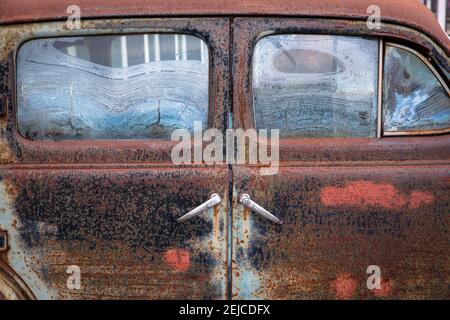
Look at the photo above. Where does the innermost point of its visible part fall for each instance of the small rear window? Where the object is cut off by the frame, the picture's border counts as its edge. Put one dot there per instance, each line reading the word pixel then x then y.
pixel 316 85
pixel 111 87
pixel 414 99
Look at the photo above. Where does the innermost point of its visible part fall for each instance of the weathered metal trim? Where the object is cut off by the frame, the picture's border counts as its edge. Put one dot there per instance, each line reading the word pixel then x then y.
pixel 415 132
pixel 358 164
pixel 16 287
pixel 441 81
pixel 140 167
pixel 108 166
pixel 380 89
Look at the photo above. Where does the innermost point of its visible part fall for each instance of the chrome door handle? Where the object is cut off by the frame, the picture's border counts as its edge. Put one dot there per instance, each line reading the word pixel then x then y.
pixel 249 203
pixel 212 202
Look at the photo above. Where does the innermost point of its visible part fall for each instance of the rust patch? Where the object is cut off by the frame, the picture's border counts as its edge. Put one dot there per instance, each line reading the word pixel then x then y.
pixel 178 259
pixel 407 12
pixel 119 226
pixel 365 194
pixel 10 189
pixel 419 198
pixel 344 286
pixel 387 286
pixel 5 154
pixel 322 252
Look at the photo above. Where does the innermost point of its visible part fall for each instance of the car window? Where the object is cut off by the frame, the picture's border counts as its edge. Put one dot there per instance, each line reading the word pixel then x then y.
pixel 111 87
pixel 316 85
pixel 413 97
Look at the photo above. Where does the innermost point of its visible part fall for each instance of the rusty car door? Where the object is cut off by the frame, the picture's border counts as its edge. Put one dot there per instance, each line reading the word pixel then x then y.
pixel 97 217
pixel 348 205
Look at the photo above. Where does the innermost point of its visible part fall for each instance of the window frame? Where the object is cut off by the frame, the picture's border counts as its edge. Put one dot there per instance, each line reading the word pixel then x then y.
pixel 212 30
pixel 333 151
pixel 382 45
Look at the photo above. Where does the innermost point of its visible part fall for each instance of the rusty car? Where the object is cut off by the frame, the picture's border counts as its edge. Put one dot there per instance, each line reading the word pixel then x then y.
pixel 90 200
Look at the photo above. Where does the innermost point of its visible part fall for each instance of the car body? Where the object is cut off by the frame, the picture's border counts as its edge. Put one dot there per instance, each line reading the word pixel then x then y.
pixel 108 207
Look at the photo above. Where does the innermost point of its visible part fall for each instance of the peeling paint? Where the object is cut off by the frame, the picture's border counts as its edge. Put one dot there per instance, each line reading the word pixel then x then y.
pixel 322 252
pixel 17 256
pixel 365 194
pixel 178 259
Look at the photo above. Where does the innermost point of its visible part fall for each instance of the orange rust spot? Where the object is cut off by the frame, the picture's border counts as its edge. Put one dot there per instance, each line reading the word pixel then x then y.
pixel 6 156
pixel 386 288
pixel 344 286
pixel 419 198
pixel 11 189
pixel 246 214
pixel 365 194
pixel 178 259
pixel 216 227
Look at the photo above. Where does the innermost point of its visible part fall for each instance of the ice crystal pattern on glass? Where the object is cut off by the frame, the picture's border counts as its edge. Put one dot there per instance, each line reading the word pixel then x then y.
pixel 109 87
pixel 316 85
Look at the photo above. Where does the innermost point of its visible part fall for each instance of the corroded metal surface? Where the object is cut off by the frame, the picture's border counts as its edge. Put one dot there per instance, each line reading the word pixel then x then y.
pixel 345 203
pixel 407 12
pixel 337 221
pixel 12 286
pixel 119 226
pixel 110 207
